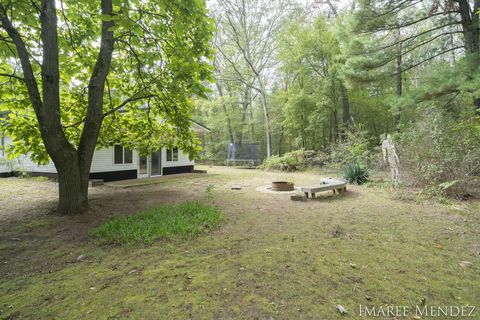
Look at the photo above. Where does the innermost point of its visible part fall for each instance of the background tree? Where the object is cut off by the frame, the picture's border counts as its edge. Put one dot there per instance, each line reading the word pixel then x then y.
pixel 246 41
pixel 81 75
pixel 396 39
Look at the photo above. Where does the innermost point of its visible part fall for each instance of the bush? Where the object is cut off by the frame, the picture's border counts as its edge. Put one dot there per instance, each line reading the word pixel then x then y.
pixel 356 173
pixel 168 222
pixel 285 163
pixel 212 158
pixel 356 148
pixel 296 160
pixel 442 154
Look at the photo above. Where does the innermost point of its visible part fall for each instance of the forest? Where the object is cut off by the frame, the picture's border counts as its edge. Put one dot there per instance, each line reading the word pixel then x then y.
pixel 323 82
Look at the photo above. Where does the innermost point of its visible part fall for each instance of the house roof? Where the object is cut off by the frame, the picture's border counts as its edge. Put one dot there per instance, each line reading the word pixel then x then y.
pixel 201 126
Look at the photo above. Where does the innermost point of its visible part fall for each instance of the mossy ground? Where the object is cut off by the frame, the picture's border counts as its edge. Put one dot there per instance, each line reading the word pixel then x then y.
pixel 271 258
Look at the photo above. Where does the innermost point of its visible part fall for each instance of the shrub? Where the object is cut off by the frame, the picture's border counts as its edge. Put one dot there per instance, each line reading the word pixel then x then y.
pixel 442 154
pixel 295 160
pixel 356 173
pixel 209 157
pixel 356 148
pixel 288 162
pixel 168 222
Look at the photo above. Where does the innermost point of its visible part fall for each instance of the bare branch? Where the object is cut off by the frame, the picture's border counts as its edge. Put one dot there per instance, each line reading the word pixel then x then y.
pixel 11 76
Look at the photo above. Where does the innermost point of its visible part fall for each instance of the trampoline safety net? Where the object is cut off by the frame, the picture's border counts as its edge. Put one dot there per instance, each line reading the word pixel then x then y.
pixel 242 152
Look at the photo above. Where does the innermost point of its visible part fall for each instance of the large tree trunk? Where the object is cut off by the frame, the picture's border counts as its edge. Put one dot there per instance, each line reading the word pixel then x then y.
pixel 227 116
pixel 335 124
pixel 73 166
pixel 266 119
pixel 345 109
pixel 280 141
pixel 72 186
pixel 471 32
pixel 244 104
pixel 334 111
pixel 252 124
pixel 399 79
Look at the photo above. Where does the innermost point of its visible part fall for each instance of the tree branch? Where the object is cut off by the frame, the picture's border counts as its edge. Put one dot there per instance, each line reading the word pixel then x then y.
pixel 414 48
pixel 96 88
pixel 428 59
pixel 411 23
pixel 127 101
pixel 410 38
pixel 12 76
pixel 29 77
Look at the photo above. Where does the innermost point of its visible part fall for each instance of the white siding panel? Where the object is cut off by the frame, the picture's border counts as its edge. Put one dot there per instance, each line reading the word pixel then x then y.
pixel 3 155
pixel 103 161
pixel 183 160
pixel 4 169
pixel 30 166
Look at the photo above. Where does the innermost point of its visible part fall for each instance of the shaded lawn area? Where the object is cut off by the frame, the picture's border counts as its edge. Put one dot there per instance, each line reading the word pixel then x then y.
pixel 271 257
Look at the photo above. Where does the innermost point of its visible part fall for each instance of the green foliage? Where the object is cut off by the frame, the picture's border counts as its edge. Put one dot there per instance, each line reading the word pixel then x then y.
pixel 209 191
pixel 285 163
pixel 161 59
pixel 168 222
pixel 212 157
pixel 357 147
pixel 442 153
pixel 356 173
pixel 296 160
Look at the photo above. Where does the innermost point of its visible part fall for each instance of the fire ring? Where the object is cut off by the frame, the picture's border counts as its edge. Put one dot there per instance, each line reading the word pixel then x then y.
pixel 282 186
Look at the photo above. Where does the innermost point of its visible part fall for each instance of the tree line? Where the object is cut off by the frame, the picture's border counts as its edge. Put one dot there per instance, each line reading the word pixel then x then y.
pixel 291 76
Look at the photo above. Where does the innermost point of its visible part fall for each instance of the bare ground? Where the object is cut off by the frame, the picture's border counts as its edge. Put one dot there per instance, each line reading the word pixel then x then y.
pixel 272 258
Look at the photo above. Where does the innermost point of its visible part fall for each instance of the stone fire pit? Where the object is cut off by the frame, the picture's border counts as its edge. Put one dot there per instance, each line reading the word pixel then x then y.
pixel 282 186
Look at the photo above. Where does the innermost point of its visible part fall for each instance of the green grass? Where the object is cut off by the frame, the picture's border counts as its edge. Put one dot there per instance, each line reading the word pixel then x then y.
pixel 168 222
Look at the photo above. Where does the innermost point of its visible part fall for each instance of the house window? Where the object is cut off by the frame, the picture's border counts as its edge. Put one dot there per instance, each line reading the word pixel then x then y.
pixel 172 154
pixel 122 155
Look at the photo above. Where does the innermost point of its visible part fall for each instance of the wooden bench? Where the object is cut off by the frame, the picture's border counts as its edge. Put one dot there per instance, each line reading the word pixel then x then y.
pixel 337 186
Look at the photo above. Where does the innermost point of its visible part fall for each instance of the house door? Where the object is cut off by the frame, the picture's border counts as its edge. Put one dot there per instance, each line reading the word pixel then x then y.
pixel 143 167
pixel 151 165
pixel 156 163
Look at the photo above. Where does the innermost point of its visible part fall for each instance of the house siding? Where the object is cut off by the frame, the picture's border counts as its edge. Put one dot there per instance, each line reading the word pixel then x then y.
pixel 102 162
pixel 5 170
pixel 103 166
pixel 183 160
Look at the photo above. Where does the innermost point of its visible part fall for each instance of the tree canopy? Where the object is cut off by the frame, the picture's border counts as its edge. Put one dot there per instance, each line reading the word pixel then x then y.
pixel 81 75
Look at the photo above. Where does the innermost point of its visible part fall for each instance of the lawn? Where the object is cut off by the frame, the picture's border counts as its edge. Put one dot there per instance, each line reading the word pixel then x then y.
pixel 270 258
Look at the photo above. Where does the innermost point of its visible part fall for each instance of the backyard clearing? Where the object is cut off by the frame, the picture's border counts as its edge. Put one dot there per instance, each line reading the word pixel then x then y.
pixel 271 258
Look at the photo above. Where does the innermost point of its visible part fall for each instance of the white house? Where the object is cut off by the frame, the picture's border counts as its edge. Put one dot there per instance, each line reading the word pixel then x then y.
pixel 112 163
